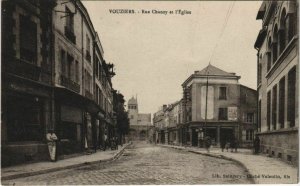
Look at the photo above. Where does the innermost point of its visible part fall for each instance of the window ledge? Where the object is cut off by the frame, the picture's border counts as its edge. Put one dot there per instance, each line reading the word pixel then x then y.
pixel 283 54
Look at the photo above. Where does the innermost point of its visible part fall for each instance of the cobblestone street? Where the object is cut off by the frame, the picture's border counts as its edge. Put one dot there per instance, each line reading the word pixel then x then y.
pixel 146 164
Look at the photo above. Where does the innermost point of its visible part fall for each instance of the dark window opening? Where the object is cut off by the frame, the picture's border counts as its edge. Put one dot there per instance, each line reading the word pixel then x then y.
pixel 259 116
pixel 222 93
pixel 281 101
pixel 291 96
pixel 24 118
pixel 28 40
pixel 274 107
pixel 269 110
pixel 250 117
pixel 292 26
pixel 223 114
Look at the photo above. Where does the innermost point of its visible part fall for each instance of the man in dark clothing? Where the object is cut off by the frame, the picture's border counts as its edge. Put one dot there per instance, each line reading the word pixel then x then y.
pixel 256 144
pixel 207 143
pixel 233 144
pixel 223 143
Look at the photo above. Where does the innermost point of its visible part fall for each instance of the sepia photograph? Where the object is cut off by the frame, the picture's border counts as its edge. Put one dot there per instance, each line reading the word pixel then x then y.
pixel 108 92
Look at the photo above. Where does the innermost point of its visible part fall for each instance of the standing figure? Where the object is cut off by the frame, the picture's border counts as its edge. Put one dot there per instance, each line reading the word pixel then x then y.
pixel 223 143
pixel 207 143
pixel 52 139
pixel 256 144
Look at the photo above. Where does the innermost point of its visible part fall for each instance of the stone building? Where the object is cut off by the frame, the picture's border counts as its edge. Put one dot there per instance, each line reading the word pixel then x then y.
pixel 54 78
pixel 139 123
pixel 26 80
pixel 216 105
pixel 278 79
pixel 159 123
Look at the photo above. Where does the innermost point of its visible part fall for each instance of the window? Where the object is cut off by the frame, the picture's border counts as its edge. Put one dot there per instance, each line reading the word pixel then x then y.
pixel 69 20
pixel 131 116
pixel 88 46
pixel 274 107
pixel 69 66
pixel 291 96
pixel 222 93
pixel 282 32
pixel 25 118
pixel 269 56
pixel 269 110
pixel 28 40
pixel 281 102
pixel 292 26
pixel 63 61
pixel 249 135
pixel 223 114
pixel 76 71
pixel 250 118
pixel 69 28
pixel 275 45
pixel 259 73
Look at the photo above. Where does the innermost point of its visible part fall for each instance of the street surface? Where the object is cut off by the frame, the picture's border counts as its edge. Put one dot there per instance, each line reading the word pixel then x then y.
pixel 143 163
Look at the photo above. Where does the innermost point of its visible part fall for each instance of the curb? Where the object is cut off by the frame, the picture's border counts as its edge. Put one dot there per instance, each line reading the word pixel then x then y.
pixel 38 172
pixel 216 156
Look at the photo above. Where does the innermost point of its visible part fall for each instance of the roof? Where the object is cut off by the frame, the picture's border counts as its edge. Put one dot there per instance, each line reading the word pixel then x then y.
pixel 212 70
pixel 132 101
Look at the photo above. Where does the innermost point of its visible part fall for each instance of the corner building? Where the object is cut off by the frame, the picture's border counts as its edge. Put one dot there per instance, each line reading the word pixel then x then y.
pixel 215 104
pixel 278 79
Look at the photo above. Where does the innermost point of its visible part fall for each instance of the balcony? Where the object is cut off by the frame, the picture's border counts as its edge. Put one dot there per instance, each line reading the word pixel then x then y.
pixel 88 95
pixel 69 33
pixel 88 56
pixel 68 83
pixel 22 68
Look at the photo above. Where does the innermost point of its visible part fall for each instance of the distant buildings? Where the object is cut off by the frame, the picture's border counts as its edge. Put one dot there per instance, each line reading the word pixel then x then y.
pixel 214 104
pixel 139 123
pixel 278 79
pixel 54 77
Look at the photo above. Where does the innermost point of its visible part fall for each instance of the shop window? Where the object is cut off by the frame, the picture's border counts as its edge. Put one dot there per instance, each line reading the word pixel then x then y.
pixel 223 114
pixel 291 96
pixel 222 93
pixel 24 118
pixel 28 40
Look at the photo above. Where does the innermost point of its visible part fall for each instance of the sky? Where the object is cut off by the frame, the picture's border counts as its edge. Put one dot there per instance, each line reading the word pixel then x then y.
pixel 155 53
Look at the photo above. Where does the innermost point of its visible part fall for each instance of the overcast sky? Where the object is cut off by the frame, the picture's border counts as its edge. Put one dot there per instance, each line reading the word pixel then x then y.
pixel 154 54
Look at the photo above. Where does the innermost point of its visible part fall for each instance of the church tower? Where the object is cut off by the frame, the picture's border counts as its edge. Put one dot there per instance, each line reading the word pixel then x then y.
pixel 133 111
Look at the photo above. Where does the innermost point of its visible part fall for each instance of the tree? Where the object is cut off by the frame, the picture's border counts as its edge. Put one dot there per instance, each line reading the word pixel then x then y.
pixel 122 120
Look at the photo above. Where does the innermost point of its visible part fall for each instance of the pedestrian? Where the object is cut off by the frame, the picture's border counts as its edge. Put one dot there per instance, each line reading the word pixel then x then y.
pixel 227 145
pixel 256 144
pixel 51 140
pixel 233 144
pixel 223 144
pixel 207 143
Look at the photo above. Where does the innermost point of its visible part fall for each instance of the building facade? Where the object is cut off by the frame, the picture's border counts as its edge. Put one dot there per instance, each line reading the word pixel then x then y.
pixel 216 105
pixel 139 123
pixel 278 79
pixel 54 78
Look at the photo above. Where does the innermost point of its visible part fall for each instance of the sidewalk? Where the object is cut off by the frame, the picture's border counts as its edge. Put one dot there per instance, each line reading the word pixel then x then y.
pixel 25 170
pixel 262 169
